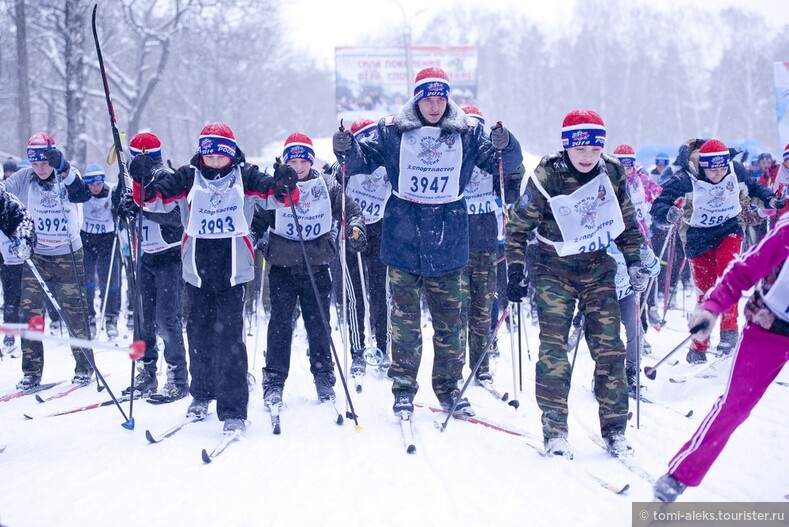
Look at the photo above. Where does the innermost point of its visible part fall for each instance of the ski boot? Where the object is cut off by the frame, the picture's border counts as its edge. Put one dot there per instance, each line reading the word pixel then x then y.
pixel 558 447
pixel 145 384
pixel 667 488
pixel 28 382
pixel 324 385
pixel 447 401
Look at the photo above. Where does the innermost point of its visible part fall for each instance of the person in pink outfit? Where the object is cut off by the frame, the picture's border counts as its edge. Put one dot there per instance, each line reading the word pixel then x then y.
pixel 763 351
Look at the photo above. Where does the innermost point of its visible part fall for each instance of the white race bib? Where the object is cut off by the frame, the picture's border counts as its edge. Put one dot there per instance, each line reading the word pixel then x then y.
pixel 429 167
pixel 313 210
pixel 216 207
pixel 589 218
pixel 713 204
pixel 97 216
pixel 370 192
pixel 622 279
pixel 57 219
pixel 479 193
pixel 638 197
pixel 8 255
pixel 777 298
pixel 152 240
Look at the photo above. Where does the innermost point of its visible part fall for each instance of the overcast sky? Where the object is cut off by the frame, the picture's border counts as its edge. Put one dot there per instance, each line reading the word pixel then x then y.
pixel 321 25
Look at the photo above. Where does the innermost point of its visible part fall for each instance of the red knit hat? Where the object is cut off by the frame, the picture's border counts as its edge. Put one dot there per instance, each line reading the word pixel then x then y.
pixel 362 126
pixel 713 154
pixel 786 152
pixel 37 145
pixel 626 155
pixel 583 128
pixel 298 146
pixel 217 138
pixel 145 142
pixel 473 111
pixel 431 82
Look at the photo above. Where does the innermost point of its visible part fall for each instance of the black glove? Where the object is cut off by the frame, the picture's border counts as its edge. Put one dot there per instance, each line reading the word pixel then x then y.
pixel 639 277
pixel 23 241
pixel 777 202
pixel 126 206
pixel 141 169
pixel 673 215
pixel 499 136
pixel 342 141
pixel 57 160
pixel 284 175
pixel 517 287
pixel 357 240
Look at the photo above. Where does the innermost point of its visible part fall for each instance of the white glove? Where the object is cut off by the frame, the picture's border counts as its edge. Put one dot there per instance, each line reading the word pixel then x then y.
pixel 24 239
pixel 649 260
pixel 702 316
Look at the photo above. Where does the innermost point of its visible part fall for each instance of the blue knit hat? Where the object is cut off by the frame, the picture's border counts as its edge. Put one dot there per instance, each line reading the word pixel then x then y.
pixel 94 174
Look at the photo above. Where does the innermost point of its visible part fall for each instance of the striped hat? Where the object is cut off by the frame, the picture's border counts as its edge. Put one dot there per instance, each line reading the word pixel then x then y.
pixel 431 82
pixel 298 146
pixel 626 155
pixel 147 143
pixel 786 152
pixel 713 154
pixel 473 111
pixel 37 145
pixel 362 126
pixel 217 139
pixel 94 174
pixel 583 128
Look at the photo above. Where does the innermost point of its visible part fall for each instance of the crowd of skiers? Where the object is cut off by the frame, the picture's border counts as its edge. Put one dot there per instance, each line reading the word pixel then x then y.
pixel 415 210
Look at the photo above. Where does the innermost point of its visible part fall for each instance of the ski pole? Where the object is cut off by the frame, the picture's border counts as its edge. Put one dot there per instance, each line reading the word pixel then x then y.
pixel 34 330
pixel 514 403
pixel 109 277
pixel 129 423
pixel 345 326
pixel 579 330
pixel 375 351
pixel 325 321
pixel 520 349
pixel 639 349
pixel 651 373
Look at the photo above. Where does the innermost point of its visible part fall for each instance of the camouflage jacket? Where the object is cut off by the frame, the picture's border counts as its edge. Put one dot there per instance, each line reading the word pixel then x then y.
pixel 532 211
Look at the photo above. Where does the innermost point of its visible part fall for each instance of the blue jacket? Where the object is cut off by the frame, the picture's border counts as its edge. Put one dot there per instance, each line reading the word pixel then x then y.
pixel 426 240
pixel 700 240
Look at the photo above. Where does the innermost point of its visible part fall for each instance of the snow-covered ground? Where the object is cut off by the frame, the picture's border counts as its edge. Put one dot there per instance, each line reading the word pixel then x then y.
pixel 85 469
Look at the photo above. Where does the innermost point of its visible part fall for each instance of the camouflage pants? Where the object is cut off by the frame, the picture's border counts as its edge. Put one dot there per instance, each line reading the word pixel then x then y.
pixel 444 300
pixel 58 274
pixel 478 282
pixel 560 281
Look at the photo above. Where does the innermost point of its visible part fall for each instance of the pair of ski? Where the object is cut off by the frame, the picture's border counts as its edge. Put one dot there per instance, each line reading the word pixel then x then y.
pixel 700 369
pixel 687 414
pixel 276 427
pixel 207 457
pixel 29 391
pixel 92 406
pixel 528 440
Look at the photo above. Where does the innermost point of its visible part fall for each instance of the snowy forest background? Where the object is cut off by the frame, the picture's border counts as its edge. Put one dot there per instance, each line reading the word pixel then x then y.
pixel 656 75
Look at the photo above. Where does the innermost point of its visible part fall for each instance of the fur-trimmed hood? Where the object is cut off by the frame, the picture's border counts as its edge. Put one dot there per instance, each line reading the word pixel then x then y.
pixel 453 121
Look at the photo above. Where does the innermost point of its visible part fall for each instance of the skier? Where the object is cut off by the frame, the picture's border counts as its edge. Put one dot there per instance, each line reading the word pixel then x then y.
pixel 577 203
pixel 627 308
pixel 98 235
pixel 9 167
pixel 778 179
pixel 712 187
pixel 479 276
pixel 160 286
pixel 759 358
pixel 16 246
pixel 370 192
pixel 642 191
pixel 216 193
pixel 319 210
pixel 429 153
pixel 52 188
